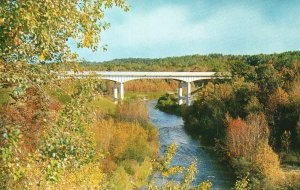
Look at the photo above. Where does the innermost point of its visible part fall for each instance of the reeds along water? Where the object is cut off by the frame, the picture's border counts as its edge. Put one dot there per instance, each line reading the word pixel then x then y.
pixel 135 111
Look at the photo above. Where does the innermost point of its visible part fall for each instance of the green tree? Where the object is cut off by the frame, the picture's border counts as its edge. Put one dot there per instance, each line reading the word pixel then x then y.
pixel 268 80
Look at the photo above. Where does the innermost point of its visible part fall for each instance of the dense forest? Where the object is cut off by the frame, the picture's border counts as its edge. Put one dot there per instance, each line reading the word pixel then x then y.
pixel 252 120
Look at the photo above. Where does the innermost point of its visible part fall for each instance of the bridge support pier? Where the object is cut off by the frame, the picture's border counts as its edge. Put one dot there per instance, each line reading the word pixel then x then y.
pixel 121 91
pixel 180 93
pixel 118 87
pixel 187 97
pixel 115 92
pixel 188 93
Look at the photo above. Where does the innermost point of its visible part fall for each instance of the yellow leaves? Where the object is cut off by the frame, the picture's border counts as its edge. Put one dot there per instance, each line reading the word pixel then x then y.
pixel 122 139
pixel 50 27
pixel 239 82
pixel 267 162
pixel 133 111
pixel 84 18
pixel 1 21
pixel 43 55
pixel 294 92
pixel 207 91
pixel 120 180
pixel 87 39
pixel 206 185
pixel 278 98
pixel 125 145
pixel 225 91
pixel 171 171
pixel 89 176
pixel 142 172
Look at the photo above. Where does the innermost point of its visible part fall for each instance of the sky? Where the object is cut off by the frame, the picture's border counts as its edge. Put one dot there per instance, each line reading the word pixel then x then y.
pixel 165 28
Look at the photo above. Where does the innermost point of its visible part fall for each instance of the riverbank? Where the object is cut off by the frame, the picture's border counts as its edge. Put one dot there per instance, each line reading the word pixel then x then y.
pixel 168 103
pixel 284 166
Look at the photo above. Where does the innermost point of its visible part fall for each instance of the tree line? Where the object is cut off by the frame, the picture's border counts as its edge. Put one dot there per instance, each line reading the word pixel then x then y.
pixel 211 62
pixel 252 119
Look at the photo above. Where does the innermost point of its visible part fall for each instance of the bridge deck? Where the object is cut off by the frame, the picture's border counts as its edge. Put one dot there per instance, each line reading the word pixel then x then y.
pixel 129 73
pixel 123 76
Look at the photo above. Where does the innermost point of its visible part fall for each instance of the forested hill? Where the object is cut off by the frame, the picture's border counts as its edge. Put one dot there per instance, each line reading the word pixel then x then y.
pixel 211 62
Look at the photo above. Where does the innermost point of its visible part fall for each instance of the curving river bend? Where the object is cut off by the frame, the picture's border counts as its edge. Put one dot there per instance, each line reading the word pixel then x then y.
pixel 171 131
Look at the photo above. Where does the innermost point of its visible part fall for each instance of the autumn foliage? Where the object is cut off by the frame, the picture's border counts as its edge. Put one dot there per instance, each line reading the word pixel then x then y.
pixel 243 137
pixel 278 98
pixel 151 85
pixel 247 142
pixel 30 115
pixel 135 111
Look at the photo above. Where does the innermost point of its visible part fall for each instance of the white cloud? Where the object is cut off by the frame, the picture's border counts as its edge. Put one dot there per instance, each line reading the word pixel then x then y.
pixel 172 30
pixel 157 27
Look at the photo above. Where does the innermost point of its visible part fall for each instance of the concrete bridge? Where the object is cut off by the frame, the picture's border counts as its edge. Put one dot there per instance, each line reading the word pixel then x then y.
pixel 184 79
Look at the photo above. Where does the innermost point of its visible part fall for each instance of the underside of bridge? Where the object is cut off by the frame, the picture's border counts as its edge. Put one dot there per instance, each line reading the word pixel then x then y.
pixel 118 92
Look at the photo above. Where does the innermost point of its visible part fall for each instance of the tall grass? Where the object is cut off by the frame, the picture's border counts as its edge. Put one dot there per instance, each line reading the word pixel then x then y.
pixel 132 111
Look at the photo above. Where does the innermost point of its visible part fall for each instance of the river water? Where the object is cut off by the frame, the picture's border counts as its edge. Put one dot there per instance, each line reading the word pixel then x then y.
pixel 188 149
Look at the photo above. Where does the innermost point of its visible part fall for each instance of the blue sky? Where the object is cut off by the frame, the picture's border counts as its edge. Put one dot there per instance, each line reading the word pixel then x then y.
pixel 163 28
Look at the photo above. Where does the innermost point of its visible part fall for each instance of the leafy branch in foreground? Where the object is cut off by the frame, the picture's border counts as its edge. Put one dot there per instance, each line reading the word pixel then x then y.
pixel 39 30
pixel 162 167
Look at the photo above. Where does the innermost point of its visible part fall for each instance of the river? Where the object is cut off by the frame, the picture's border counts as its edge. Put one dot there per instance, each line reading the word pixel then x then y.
pixel 188 149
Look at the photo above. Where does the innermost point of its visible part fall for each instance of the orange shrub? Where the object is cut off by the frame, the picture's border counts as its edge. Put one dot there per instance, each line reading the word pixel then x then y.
pixel 243 137
pixel 235 136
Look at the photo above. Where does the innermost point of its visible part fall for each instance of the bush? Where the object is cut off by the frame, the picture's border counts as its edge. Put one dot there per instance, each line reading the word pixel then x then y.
pixel 242 166
pixel 169 103
pixel 120 180
pixel 267 163
pixel 250 153
pixel 243 137
pixel 124 140
pixel 89 176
